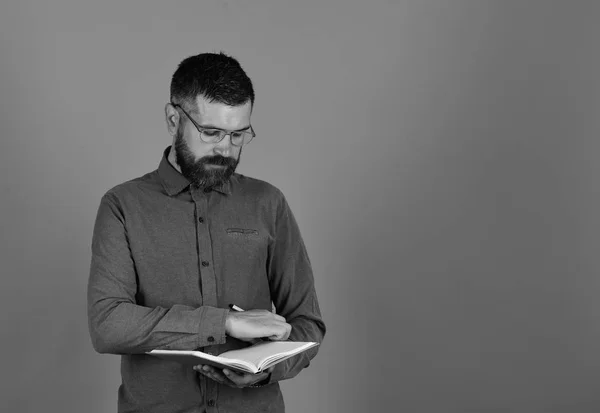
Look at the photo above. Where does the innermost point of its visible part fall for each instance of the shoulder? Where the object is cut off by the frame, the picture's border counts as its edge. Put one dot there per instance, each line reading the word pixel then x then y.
pixel 258 188
pixel 133 188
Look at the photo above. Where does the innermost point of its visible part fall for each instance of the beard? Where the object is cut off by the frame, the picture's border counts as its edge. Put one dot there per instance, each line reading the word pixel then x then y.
pixel 198 171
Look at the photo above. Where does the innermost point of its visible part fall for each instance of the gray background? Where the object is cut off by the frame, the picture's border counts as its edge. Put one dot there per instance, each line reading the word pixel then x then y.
pixel 440 156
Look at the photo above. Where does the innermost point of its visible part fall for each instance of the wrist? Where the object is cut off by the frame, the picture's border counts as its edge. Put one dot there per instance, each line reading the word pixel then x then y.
pixel 228 317
pixel 262 383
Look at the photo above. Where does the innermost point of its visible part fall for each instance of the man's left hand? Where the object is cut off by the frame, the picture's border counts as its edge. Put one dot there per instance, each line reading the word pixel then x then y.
pixel 231 378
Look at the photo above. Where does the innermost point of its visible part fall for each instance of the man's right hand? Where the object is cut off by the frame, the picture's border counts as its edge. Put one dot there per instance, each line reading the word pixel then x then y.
pixel 247 325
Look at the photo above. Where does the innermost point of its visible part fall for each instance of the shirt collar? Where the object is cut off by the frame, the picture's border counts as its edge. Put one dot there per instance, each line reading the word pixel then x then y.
pixel 174 182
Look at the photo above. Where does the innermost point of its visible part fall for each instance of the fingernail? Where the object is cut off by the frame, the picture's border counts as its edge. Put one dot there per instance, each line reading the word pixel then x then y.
pixel 226 372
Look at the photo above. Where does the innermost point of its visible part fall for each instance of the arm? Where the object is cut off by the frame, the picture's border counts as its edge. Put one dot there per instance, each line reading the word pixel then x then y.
pixel 293 292
pixel 117 324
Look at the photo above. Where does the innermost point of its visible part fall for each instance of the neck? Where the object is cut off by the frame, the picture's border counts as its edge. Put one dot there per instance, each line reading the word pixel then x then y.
pixel 173 159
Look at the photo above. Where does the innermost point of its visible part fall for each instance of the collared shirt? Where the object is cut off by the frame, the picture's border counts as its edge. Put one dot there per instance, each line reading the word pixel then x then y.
pixel 168 259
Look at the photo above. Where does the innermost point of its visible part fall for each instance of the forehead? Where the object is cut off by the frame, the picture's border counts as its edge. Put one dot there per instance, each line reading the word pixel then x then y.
pixel 222 115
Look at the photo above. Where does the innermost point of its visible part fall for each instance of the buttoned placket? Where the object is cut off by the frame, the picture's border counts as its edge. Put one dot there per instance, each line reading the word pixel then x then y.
pixel 208 282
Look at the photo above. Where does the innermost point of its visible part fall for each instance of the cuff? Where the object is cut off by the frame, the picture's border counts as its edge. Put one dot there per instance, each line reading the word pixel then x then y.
pixel 211 328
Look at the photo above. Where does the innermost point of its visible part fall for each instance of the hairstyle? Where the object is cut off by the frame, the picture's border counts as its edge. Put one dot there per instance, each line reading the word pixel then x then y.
pixel 217 77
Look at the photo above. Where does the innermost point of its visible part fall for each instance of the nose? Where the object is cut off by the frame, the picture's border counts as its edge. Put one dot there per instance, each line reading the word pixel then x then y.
pixel 224 148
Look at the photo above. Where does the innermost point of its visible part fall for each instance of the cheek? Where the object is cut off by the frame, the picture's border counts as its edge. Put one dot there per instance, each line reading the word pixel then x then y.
pixel 196 146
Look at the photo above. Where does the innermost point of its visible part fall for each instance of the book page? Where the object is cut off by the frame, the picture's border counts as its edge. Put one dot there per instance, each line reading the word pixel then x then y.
pixel 193 358
pixel 268 351
pixel 250 359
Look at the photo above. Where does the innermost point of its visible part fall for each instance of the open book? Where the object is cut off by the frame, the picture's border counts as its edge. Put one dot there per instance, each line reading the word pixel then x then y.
pixel 253 359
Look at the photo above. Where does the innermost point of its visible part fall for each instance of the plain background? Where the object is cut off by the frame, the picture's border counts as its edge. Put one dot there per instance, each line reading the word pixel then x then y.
pixel 441 158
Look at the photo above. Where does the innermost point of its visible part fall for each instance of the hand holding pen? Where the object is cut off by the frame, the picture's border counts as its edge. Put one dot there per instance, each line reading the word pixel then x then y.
pixel 253 324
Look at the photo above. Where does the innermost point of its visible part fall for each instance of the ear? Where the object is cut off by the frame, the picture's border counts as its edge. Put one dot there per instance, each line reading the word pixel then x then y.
pixel 172 119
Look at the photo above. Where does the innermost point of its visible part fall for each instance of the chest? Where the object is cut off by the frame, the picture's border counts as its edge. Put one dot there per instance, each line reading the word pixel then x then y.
pixel 189 251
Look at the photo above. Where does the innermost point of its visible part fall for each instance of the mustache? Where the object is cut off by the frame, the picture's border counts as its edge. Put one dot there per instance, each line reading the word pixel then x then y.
pixel 219 160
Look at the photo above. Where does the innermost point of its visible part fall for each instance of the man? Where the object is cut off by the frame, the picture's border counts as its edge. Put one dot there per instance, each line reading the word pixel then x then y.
pixel 174 248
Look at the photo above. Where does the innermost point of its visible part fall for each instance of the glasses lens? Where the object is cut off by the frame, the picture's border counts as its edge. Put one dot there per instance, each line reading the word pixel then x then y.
pixel 240 138
pixel 217 135
pixel 212 135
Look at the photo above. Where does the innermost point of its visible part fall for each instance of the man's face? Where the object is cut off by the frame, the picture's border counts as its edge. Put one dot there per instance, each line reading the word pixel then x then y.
pixel 209 164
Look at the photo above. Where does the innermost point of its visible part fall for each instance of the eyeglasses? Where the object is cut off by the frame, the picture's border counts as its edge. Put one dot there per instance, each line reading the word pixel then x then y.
pixel 213 135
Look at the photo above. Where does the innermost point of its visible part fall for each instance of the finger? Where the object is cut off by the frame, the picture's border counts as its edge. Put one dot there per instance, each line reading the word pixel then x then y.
pixel 288 332
pixel 232 375
pixel 278 317
pixel 247 339
pixel 200 369
pixel 243 380
pixel 283 334
pixel 204 370
pixel 211 373
pixel 219 378
pixel 215 374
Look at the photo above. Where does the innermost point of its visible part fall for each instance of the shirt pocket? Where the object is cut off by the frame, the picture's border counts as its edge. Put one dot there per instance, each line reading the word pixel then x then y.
pixel 245 244
pixel 242 233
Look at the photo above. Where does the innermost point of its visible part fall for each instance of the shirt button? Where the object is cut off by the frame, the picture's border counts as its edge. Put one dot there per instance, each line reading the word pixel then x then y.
pixel 201 220
pixel 211 338
pixel 205 263
pixel 211 402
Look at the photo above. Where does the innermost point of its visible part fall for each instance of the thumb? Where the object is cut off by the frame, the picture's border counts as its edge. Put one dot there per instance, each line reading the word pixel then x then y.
pixel 279 337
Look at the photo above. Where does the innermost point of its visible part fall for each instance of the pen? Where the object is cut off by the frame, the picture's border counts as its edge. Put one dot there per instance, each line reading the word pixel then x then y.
pixel 235 307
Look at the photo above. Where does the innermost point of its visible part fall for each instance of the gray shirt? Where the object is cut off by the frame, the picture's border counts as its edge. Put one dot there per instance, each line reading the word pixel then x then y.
pixel 168 259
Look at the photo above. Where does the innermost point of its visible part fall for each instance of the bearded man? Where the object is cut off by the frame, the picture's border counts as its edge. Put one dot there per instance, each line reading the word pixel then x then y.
pixel 174 248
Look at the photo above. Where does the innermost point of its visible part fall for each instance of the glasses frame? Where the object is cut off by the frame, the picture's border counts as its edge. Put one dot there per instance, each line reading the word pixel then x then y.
pixel 222 134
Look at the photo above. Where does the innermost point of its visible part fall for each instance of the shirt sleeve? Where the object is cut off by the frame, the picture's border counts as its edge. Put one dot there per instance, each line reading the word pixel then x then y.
pixel 293 291
pixel 117 324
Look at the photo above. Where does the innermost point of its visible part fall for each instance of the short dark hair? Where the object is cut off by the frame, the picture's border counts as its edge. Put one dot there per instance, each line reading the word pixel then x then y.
pixel 215 76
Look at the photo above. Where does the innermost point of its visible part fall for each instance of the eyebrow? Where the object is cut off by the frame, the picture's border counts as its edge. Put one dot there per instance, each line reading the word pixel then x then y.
pixel 209 126
pixel 214 127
